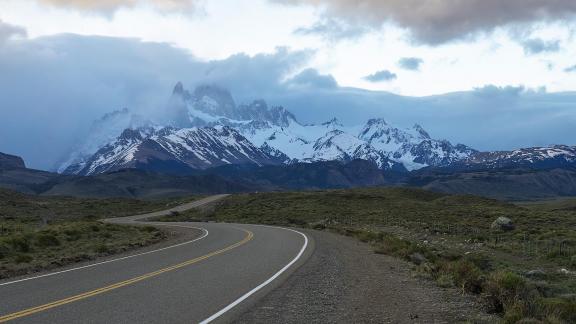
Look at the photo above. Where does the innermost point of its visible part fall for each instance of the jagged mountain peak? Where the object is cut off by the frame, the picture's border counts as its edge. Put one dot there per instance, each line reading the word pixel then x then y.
pixel 178 88
pixel 420 130
pixel 334 122
pixel 376 122
pixel 259 110
pixel 219 95
pixel 180 92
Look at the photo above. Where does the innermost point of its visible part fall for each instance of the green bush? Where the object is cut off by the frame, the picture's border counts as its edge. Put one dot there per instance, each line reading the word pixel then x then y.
pixel 148 229
pixel 4 250
pixel 20 243
pixel 560 308
pixel 23 258
pixel 393 245
pixel 465 274
pixel 46 240
pixel 102 249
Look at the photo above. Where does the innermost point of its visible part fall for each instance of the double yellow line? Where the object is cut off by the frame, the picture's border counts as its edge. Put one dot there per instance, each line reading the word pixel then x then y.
pixel 41 308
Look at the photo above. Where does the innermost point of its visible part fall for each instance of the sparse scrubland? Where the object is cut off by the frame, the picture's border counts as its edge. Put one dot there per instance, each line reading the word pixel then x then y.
pixel 41 233
pixel 525 271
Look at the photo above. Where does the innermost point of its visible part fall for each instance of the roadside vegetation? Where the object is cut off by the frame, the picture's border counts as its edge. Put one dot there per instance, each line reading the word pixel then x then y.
pixel 38 233
pixel 520 260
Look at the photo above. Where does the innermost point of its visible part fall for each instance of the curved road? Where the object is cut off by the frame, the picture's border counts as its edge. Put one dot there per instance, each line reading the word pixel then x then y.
pixel 215 277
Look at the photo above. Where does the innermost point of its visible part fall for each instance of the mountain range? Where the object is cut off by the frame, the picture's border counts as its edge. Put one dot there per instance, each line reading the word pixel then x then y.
pixel 205 128
pixel 204 142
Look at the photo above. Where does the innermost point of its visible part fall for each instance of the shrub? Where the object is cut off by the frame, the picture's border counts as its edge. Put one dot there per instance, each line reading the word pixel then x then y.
pixel 560 308
pixel 102 248
pixel 23 258
pixel 148 229
pixel 72 234
pixel 4 250
pixel 20 244
pixel 465 274
pixel 445 280
pixel 392 245
pixel 370 237
pixel 46 240
pixel 509 293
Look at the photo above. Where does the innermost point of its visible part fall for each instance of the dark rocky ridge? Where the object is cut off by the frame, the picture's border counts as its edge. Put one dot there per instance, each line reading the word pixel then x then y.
pixel 8 161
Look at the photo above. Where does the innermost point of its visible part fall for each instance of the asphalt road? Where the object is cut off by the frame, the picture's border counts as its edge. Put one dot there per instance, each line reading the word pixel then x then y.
pixel 216 276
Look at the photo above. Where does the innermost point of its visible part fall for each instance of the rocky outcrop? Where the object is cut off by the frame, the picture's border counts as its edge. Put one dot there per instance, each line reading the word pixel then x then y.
pixel 8 161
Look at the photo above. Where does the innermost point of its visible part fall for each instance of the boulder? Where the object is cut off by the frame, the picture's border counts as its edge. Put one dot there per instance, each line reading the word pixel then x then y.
pixel 535 273
pixel 418 258
pixel 503 224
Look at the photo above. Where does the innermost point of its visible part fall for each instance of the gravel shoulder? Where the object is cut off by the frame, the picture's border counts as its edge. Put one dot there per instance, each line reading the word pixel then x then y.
pixel 344 281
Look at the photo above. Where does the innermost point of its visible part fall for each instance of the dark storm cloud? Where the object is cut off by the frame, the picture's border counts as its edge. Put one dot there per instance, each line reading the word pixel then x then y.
pixel 441 21
pixel 381 76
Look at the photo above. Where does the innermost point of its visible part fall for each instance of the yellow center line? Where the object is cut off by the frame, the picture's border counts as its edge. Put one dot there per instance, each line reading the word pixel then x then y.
pixel 37 309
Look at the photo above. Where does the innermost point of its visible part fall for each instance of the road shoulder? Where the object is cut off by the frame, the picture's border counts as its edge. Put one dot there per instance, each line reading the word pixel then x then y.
pixel 345 282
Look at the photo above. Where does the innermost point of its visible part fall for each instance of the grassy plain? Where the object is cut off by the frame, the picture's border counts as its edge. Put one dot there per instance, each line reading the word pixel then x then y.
pixel 526 274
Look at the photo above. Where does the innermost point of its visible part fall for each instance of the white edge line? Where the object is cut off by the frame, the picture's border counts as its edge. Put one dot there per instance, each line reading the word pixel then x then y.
pixel 114 260
pixel 262 285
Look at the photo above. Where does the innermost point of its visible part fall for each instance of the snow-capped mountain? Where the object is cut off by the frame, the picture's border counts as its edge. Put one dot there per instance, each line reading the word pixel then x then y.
pixel 267 134
pixel 413 147
pixel 556 156
pixel 102 132
pixel 175 150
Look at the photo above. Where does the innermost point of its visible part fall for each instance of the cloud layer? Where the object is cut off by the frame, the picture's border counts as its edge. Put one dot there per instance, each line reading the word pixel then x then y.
pixel 111 5
pixel 440 21
pixel 52 88
pixel 535 46
pixel 332 30
pixel 381 76
pixel 8 31
pixel 410 63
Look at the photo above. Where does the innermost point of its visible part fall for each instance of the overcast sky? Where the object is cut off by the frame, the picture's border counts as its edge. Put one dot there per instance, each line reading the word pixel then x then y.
pixel 511 63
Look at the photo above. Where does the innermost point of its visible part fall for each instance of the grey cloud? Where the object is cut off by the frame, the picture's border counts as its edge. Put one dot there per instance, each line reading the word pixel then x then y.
pixel 8 31
pixel 535 46
pixel 311 78
pixel 333 30
pixel 111 5
pixel 410 63
pixel 381 76
pixel 441 21
pixel 570 69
